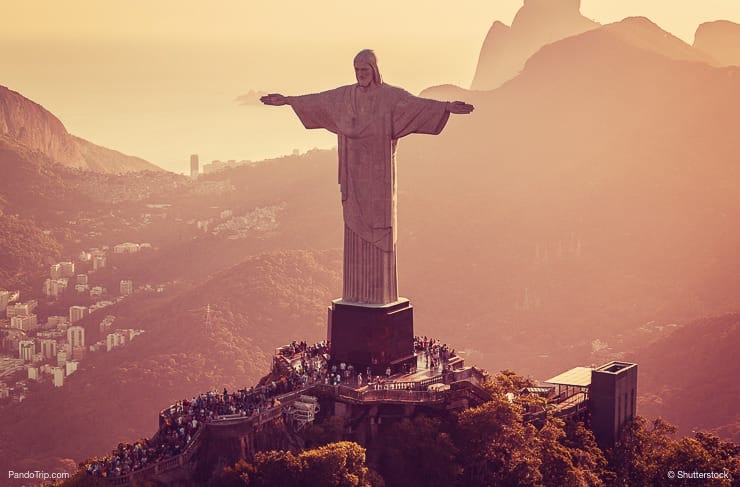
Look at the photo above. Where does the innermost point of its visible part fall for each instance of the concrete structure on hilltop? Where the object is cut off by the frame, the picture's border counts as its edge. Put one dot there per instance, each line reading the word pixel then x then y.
pixel 613 400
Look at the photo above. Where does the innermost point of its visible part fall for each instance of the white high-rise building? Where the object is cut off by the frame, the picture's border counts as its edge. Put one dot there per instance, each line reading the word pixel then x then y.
pixel 127 287
pixel 26 349
pixel 71 367
pixel 58 374
pixel 33 373
pixel 115 340
pixel 24 323
pixel 99 261
pixel 75 337
pixel 194 169
pixel 76 313
pixel 48 348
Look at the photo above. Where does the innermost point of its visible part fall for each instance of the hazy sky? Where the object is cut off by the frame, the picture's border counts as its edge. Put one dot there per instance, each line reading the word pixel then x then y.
pixel 158 79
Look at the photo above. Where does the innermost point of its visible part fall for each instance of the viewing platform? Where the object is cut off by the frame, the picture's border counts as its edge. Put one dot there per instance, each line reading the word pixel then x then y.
pixel 302 383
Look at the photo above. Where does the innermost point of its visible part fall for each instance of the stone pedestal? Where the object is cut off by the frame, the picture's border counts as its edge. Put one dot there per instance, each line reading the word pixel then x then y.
pixel 378 336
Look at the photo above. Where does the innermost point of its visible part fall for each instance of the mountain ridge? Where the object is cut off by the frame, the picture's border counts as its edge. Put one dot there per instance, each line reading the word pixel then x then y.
pixel 31 125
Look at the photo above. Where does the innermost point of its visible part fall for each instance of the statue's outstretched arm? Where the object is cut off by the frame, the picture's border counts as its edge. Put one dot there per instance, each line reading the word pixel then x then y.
pixel 275 99
pixel 459 107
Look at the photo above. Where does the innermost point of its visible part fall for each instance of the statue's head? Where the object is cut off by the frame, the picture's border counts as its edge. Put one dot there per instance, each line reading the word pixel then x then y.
pixel 366 69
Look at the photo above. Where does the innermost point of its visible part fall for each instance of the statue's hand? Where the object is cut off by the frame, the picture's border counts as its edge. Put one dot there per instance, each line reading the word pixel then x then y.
pixel 275 99
pixel 459 107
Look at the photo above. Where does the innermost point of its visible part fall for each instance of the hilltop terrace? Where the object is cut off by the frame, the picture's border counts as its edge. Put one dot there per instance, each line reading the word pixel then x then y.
pixel 299 373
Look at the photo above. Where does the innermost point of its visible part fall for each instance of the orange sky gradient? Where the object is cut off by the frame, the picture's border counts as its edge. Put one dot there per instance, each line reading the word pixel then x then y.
pixel 159 79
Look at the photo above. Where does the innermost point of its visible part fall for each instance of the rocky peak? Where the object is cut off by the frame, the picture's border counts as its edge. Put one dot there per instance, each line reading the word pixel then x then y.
pixel 28 124
pixel 537 23
pixel 721 40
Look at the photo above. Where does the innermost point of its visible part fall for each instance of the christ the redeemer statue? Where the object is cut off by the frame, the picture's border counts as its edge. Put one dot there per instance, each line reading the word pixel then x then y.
pixel 369 117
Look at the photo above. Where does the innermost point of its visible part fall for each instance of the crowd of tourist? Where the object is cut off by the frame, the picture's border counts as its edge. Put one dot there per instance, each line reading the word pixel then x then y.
pixel 435 352
pixel 179 423
pixel 298 365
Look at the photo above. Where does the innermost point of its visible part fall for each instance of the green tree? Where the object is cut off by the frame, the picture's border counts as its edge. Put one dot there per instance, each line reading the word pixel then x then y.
pixel 496 448
pixel 335 465
pixel 416 452
pixel 586 454
pixel 641 456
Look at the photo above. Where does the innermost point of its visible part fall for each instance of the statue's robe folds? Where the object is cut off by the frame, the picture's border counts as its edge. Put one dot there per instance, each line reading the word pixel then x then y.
pixel 368 125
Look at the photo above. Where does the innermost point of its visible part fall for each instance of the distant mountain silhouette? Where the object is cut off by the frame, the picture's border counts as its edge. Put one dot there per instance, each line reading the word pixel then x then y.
pixel 687 377
pixel 593 190
pixel 538 22
pixel 31 125
pixel 641 32
pixel 721 40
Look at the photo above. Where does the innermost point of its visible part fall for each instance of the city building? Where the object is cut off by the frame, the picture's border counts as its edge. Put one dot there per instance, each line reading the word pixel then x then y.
pixel 33 373
pixel 61 358
pixel 54 287
pixel 75 337
pixel 24 323
pixel 194 169
pixel 55 271
pixel 78 353
pixel 4 390
pixel 99 261
pixel 55 321
pixel 71 367
pixel 97 291
pixel 115 340
pixel 48 348
pixel 613 400
pixel 126 248
pixel 67 269
pixel 84 256
pixel 127 287
pixel 26 349
pixel 58 374
pixel 82 279
pixel 106 324
pixel 76 313
pixel 21 309
pixel 81 288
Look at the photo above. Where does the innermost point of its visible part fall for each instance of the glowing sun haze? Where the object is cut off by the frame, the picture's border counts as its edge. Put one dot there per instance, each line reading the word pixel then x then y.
pixel 159 79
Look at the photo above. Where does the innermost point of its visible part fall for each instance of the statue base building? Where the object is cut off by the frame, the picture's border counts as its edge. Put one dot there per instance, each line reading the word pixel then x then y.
pixel 372 335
